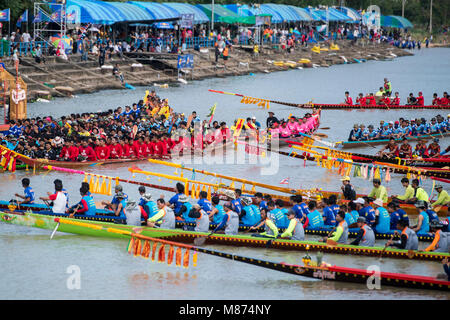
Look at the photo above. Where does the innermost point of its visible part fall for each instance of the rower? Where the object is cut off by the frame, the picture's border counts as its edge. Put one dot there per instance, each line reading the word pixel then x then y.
pixel 204 203
pixel 276 215
pixel 147 207
pixel 236 204
pixel 378 191
pixel 314 217
pixel 295 229
pixel 419 193
pixel 440 242
pixel 408 238
pixel 270 228
pixel 299 207
pixel 405 149
pixel 423 221
pixel 347 189
pixel 249 216
pixel 59 199
pixel 432 215
pixel 387 87
pixel 330 210
pixel 392 148
pixel 341 233
pixel 85 206
pixel 28 197
pixel 409 192
pixel 434 149
pixel 202 218
pixel 259 200
pixel 230 221
pixel 217 212
pixel 352 216
pixel 365 211
pixel 174 202
pixel 121 204
pixel 348 99
pixel 365 236
pixel 58 181
pixel 382 219
pixel 165 217
pixel 183 214
pixel 115 202
pixel 443 197
pixel 394 215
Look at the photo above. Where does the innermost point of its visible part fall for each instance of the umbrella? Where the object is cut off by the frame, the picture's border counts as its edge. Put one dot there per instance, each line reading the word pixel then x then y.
pixel 163 25
pixel 64 43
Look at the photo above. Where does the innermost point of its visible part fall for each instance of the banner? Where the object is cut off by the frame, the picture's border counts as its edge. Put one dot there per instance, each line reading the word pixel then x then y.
pixel 187 20
pixel 4 15
pixel 22 18
pixel 185 61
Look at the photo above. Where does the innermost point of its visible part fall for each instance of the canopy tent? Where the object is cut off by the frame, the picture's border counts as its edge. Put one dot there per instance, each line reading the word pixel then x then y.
pixel 266 9
pixel 395 22
pixel 284 12
pixel 158 10
pixel 83 11
pixel 240 10
pixel 221 14
pixel 302 14
pixel 329 15
pixel 186 8
pixel 132 12
pixel 352 13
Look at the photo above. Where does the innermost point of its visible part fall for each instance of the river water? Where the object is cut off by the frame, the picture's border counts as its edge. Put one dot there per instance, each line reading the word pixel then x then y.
pixel 36 268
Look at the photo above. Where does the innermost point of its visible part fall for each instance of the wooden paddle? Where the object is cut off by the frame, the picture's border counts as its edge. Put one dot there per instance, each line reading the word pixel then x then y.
pixel 385 247
pixel 201 240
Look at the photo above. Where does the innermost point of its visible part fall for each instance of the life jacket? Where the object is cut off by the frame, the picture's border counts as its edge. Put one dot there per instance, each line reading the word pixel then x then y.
pixel 368 239
pixel 202 223
pixel 298 233
pixel 344 236
pixel 412 242
pixel 232 224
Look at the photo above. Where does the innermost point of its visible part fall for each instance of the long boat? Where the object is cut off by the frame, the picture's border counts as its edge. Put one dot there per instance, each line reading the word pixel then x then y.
pixel 108 216
pixel 324 106
pixel 361 144
pixel 100 229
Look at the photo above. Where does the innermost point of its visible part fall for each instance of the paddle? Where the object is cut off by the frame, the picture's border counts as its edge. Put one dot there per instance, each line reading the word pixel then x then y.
pixel 385 247
pixel 54 231
pixel 201 240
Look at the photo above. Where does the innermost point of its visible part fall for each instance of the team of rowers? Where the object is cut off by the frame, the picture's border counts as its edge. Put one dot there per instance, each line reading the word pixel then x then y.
pixel 400 128
pixel 383 98
pixel 367 213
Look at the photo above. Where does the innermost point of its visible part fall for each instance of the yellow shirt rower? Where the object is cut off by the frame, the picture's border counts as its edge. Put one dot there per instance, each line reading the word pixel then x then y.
pixel 378 191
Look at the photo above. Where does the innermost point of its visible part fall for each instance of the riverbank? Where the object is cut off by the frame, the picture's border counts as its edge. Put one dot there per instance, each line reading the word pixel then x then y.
pixel 61 78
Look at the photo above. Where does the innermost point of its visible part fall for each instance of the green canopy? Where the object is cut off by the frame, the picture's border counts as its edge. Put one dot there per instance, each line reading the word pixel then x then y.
pixel 221 14
pixel 395 22
pixel 252 19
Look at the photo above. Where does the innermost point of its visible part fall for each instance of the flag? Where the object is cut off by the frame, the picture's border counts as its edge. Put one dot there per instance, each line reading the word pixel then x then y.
pixel 38 17
pixel 22 18
pixel 56 16
pixel 211 112
pixel 4 15
pixel 71 17
pixel 285 181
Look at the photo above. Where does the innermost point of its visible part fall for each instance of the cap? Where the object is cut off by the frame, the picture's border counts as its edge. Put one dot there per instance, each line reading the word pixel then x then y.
pixel 291 212
pixel 246 200
pixel 346 178
pixel 397 122
pixel 420 204
pixel 147 197
pixel 182 198
pixel 229 194
pixel 253 117
pixel 359 200
pixel 361 220
pixel 439 186
pixel 120 195
pixel 378 202
pixel 118 188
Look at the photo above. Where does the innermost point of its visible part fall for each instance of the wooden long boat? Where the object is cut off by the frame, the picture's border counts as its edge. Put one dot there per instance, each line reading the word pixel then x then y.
pixel 100 229
pixel 340 274
pixel 324 271
pixel 324 106
pixel 108 216
pixel 413 162
pixel 361 144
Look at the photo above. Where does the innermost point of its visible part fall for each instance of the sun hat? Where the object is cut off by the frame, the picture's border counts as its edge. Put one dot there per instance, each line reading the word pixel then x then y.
pixel 359 200
pixel 346 178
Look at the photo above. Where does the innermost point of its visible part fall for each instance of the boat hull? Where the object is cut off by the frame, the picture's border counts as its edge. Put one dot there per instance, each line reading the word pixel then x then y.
pixel 362 144
pixel 101 229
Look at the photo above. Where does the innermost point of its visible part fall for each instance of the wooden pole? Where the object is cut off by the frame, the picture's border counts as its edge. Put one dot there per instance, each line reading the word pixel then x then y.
pixel 431 16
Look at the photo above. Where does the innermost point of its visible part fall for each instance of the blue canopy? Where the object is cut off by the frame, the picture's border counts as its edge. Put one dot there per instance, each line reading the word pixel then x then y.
pixel 84 11
pixel 395 22
pixel 267 9
pixel 352 13
pixel 302 14
pixel 328 15
pixel 158 10
pixel 242 10
pixel 284 11
pixel 186 8
pixel 131 12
